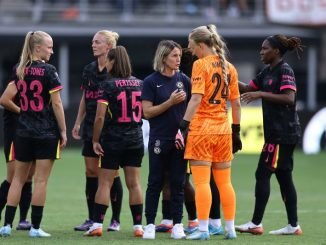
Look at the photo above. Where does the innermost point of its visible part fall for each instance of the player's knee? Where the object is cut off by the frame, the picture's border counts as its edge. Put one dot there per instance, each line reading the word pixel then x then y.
pixel 91 172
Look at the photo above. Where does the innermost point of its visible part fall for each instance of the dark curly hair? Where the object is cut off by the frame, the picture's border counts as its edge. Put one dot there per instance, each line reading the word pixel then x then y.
pixel 285 44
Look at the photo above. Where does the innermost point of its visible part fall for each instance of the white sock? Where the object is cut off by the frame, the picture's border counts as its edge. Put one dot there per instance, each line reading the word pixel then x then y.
pixel 167 222
pixel 215 222
pixel 194 220
pixel 203 225
pixel 136 227
pixel 229 225
pixel 97 225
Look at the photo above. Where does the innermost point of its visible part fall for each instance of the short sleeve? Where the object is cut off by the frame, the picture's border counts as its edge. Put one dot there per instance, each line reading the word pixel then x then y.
pixel 188 87
pixel 54 80
pixel 256 82
pixel 234 87
pixel 287 79
pixel 103 93
pixel 198 78
pixel 84 78
pixel 148 91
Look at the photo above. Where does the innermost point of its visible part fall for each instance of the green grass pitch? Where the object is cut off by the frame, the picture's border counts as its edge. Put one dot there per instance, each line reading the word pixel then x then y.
pixel 66 206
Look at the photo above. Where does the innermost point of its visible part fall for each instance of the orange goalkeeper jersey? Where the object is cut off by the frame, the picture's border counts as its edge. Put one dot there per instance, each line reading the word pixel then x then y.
pixel 207 79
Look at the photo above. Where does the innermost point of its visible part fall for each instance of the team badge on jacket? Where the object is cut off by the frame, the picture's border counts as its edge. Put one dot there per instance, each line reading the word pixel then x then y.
pixel 157 149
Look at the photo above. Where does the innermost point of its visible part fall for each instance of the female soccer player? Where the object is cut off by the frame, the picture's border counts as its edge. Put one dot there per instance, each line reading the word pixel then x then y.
pixel 118 138
pixel 276 86
pixel 210 139
pixel 41 128
pixel 93 76
pixel 215 227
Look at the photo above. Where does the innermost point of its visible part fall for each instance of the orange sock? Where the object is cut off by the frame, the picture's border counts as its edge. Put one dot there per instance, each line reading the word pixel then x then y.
pixel 203 196
pixel 222 179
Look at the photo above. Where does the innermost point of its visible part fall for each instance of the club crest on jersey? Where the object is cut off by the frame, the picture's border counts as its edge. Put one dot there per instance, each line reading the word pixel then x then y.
pixel 157 142
pixel 179 85
pixel 157 150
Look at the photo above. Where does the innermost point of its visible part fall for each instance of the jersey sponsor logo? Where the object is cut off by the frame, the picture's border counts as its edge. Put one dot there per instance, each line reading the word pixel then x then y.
pixel 93 94
pixel 196 79
pixel 288 78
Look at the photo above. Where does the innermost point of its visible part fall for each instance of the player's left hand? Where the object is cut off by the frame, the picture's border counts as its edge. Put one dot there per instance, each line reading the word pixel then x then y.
pixel 179 141
pixel 236 141
pixel 250 96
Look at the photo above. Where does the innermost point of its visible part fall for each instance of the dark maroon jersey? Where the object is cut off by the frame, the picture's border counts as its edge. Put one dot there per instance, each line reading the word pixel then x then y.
pixel 281 122
pixel 37 119
pixel 122 129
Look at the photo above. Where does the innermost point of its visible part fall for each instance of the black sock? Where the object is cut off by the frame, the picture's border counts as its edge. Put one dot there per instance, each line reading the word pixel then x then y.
pixel 137 213
pixel 10 215
pixel 25 200
pixel 91 188
pixel 99 212
pixel 166 209
pixel 4 189
pixel 262 192
pixel 215 212
pixel 116 195
pixel 191 210
pixel 37 214
pixel 289 195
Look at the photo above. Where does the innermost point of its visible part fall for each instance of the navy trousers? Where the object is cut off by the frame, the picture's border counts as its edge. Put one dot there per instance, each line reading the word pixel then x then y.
pixel 165 158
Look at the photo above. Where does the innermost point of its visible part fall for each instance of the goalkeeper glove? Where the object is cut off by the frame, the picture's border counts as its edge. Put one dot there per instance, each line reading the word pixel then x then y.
pixel 181 137
pixel 236 141
pixel 179 141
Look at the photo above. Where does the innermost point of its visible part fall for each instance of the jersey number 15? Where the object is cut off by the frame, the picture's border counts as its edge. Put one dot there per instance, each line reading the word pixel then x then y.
pixel 136 107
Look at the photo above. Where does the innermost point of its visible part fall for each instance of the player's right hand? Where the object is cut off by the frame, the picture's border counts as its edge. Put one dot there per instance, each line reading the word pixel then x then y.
pixel 98 149
pixel 177 96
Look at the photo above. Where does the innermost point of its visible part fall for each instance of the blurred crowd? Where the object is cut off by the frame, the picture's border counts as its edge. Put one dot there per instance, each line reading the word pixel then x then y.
pixel 207 8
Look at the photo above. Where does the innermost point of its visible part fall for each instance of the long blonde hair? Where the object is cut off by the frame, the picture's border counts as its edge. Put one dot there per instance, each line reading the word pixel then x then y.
pixel 209 36
pixel 32 39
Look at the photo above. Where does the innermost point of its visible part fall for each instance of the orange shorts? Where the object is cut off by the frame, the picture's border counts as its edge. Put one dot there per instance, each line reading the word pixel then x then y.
pixel 210 148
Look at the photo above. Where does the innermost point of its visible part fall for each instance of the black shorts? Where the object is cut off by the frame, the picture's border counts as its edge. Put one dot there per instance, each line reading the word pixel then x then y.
pixel 277 156
pixel 113 159
pixel 30 149
pixel 8 144
pixel 87 150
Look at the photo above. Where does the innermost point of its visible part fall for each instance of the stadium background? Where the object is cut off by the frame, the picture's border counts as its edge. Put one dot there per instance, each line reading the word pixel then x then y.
pixel 143 23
